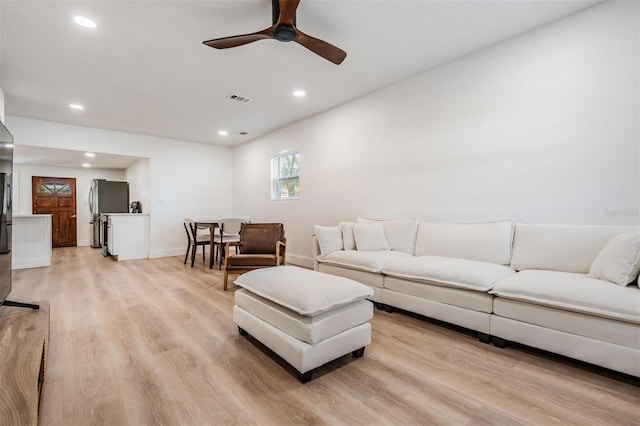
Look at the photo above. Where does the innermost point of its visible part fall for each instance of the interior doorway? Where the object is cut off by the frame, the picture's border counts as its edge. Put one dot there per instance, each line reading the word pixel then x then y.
pixel 57 197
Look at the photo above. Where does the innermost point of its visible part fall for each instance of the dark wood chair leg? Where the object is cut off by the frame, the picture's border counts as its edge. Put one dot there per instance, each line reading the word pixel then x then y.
pixel 193 254
pixel 186 255
pixel 242 331
pixel 358 353
pixel 304 377
pixel 499 342
pixel 203 252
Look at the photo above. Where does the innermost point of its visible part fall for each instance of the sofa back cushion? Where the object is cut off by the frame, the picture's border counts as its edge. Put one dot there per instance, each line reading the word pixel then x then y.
pixel 401 234
pixel 565 248
pixel 370 237
pixel 485 242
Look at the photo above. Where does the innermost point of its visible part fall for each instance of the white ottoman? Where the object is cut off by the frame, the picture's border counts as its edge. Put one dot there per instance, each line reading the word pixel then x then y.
pixel 308 318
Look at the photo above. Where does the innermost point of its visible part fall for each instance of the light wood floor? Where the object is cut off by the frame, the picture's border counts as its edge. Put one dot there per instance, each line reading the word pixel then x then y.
pixel 153 342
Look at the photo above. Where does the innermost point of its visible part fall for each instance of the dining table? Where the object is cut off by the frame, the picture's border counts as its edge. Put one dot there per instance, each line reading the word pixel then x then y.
pixel 210 224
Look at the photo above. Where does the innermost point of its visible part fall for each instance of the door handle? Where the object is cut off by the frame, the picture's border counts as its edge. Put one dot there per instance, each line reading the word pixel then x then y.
pixel 73 216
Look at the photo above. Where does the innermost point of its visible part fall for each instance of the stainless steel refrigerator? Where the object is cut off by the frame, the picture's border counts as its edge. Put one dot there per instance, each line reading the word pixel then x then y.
pixel 106 196
pixel 5 213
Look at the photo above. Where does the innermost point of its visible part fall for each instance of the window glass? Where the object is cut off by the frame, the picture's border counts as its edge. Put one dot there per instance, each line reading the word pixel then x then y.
pixel 285 179
pixel 54 188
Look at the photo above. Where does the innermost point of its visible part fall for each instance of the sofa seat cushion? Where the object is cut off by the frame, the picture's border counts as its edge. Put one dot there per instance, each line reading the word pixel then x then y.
pixel 594 327
pixel 370 261
pixel 468 299
pixel 573 292
pixel 449 271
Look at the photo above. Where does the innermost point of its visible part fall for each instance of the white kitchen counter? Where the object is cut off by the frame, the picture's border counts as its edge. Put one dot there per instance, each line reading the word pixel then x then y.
pixel 31 243
pixel 128 235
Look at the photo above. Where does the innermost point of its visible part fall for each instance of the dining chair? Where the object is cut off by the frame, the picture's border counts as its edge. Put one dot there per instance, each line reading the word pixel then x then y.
pixel 194 240
pixel 261 245
pixel 228 231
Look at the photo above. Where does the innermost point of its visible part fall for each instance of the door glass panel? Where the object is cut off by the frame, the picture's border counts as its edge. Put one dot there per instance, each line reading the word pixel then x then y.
pixel 54 188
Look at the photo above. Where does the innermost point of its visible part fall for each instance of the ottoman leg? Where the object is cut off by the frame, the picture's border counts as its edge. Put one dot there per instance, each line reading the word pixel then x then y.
pixel 304 377
pixel 358 353
pixel 242 331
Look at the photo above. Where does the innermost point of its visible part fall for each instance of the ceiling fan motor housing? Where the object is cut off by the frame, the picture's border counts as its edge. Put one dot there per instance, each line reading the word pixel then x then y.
pixel 284 33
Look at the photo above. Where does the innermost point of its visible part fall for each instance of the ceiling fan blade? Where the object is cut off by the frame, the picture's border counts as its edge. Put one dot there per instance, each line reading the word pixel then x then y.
pixel 239 40
pixel 287 12
pixel 320 47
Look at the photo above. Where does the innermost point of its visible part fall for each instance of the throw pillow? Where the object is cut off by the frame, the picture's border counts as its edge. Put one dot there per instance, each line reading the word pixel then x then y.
pixel 347 235
pixel 370 237
pixel 329 238
pixel 619 260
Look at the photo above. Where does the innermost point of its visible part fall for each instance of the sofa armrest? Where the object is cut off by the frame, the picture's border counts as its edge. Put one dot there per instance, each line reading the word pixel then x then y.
pixel 315 252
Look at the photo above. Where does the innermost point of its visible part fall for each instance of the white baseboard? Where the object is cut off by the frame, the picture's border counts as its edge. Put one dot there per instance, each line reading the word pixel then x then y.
pixel 153 254
pixel 83 243
pixel 37 262
pixel 303 261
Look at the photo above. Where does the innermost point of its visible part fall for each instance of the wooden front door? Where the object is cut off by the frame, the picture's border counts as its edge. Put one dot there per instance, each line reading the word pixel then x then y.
pixel 57 197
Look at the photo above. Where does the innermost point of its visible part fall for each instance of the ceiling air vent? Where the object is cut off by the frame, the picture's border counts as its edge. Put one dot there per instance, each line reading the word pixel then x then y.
pixel 238 98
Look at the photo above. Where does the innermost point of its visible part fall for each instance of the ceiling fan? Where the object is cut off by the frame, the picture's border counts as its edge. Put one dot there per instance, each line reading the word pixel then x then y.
pixel 283 29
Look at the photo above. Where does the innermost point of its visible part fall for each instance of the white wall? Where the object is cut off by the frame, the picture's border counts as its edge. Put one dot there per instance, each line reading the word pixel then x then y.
pixel 542 128
pixel 1 104
pixel 139 178
pixel 22 175
pixel 186 178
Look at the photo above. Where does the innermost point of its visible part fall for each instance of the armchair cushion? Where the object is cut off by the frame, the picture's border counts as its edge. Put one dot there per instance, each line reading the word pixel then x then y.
pixel 253 260
pixel 259 238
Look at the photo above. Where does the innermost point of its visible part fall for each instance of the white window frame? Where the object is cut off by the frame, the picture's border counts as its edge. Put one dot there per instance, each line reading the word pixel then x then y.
pixel 279 191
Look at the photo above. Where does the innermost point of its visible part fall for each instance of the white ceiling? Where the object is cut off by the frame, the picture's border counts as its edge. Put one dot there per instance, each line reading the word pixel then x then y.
pixel 25 154
pixel 145 70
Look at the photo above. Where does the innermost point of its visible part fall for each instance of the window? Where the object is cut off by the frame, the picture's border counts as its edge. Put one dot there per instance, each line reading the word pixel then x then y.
pixel 54 188
pixel 285 179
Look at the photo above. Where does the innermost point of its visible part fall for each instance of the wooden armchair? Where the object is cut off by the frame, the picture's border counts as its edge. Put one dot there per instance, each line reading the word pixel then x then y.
pixel 261 245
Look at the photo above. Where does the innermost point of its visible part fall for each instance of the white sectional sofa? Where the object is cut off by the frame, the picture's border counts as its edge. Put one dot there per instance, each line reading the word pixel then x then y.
pixel 572 290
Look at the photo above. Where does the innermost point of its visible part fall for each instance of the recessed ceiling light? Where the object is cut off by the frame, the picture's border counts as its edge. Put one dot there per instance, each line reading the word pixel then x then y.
pixel 86 165
pixel 85 22
pixel 76 107
pixel 89 154
pixel 299 93
pixel 223 132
